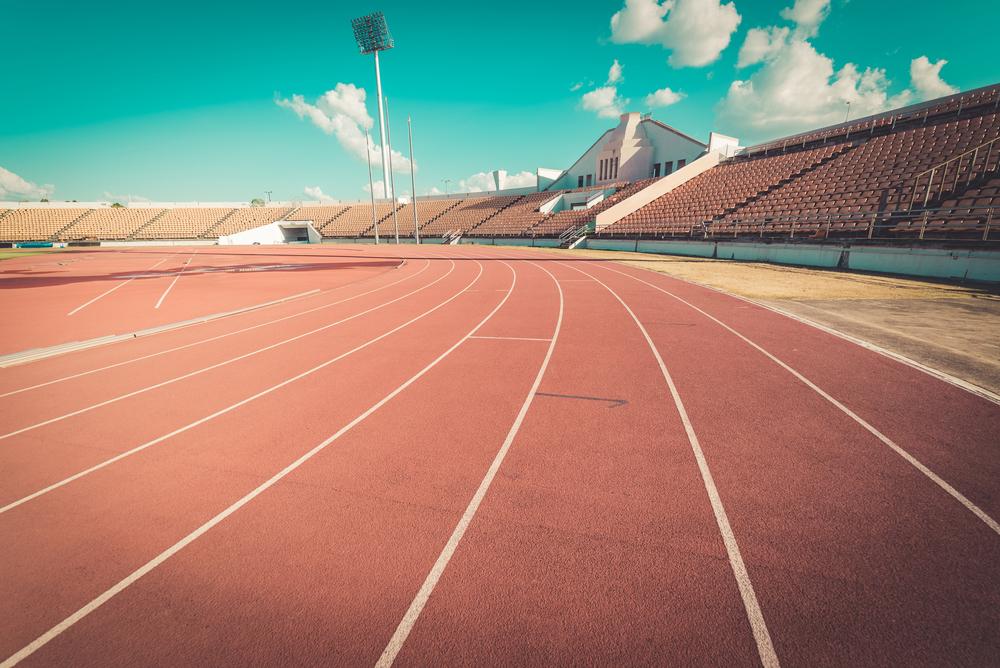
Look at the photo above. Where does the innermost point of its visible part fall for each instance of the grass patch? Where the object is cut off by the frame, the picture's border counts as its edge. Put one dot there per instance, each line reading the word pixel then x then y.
pixel 11 253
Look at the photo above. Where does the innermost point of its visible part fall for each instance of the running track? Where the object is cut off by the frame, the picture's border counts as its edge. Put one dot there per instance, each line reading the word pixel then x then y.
pixel 476 455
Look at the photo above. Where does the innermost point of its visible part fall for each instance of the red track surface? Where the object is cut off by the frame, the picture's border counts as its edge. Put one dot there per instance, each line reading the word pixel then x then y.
pixel 472 455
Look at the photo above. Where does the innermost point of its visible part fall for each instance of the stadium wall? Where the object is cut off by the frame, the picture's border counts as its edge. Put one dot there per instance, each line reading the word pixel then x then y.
pixel 960 264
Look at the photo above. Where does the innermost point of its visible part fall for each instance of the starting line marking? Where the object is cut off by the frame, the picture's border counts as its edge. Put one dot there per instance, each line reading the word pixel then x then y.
pixel 173 282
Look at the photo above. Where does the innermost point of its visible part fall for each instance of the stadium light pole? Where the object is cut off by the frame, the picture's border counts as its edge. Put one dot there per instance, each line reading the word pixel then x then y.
pixel 848 114
pixel 371 186
pixel 446 183
pixel 413 182
pixel 392 179
pixel 372 35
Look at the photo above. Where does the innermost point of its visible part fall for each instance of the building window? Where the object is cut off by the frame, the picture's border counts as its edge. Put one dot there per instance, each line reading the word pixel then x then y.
pixel 590 179
pixel 579 181
pixel 681 163
pixel 616 168
pixel 656 170
pixel 668 167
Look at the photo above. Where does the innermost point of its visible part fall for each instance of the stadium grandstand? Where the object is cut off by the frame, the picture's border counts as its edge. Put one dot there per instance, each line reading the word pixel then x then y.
pixel 925 172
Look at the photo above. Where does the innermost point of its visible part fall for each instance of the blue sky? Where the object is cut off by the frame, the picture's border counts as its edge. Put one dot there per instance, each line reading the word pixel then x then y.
pixel 180 101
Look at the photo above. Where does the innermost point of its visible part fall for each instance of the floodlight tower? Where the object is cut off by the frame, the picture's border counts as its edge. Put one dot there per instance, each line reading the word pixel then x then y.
pixel 372 35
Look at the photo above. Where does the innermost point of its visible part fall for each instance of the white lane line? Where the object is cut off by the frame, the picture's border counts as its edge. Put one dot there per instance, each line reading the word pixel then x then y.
pixel 123 584
pixel 913 461
pixel 509 338
pixel 108 292
pixel 430 582
pixel 173 282
pixel 197 372
pixel 765 648
pixel 243 402
pixel 219 336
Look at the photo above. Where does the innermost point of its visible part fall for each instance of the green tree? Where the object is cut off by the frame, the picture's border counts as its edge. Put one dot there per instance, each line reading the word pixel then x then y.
pixel 256 201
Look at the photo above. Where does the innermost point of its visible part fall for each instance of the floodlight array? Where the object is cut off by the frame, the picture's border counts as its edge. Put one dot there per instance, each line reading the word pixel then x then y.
pixel 372 33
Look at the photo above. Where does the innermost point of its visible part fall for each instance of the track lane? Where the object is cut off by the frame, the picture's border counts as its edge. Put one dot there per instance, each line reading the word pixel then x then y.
pixel 857 557
pixel 131 308
pixel 419 348
pixel 77 394
pixel 597 539
pixel 112 430
pixel 950 431
pixel 41 373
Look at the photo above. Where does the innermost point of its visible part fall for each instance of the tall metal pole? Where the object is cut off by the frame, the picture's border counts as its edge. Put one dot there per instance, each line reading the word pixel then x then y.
pixel 392 181
pixel 413 183
pixel 371 186
pixel 383 131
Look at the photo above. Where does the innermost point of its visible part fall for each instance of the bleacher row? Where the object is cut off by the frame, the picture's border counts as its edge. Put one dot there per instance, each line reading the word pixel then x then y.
pixel 935 165
pixel 494 215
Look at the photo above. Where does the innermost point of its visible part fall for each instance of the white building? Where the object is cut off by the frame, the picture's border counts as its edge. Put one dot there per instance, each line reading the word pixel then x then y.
pixel 639 148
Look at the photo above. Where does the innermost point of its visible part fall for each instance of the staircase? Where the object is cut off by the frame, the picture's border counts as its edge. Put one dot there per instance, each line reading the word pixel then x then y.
pixel 785 181
pixel 572 238
pixel 59 232
pixel 147 224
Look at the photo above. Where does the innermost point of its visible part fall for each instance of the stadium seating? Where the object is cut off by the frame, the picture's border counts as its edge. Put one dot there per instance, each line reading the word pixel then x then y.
pixel 183 223
pixel 110 223
pixel 514 219
pixel 427 210
pixel 466 214
pixel 319 215
pixel 41 224
pixel 356 219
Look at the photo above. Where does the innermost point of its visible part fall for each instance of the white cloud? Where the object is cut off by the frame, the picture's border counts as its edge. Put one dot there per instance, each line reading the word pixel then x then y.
pixel 807 15
pixel 434 191
pixel 13 187
pixel 695 31
pixel 797 89
pixel 926 80
pixel 342 112
pixel 760 44
pixel 605 102
pixel 663 98
pixel 575 87
pixel 317 193
pixel 483 181
pixel 379 187
pixel 615 73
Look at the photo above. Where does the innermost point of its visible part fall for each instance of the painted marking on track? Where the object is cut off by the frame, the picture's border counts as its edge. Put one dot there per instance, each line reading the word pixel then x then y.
pixel 913 461
pixel 427 588
pixel 765 648
pixel 173 282
pixel 108 292
pixel 223 411
pixel 153 563
pixel 509 338
pixel 214 366
pixel 219 336
pixel 614 403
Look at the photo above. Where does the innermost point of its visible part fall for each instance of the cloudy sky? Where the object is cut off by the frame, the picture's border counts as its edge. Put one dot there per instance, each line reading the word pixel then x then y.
pixel 186 101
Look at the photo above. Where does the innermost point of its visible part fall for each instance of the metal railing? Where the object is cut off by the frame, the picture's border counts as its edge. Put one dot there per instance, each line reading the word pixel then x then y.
pixel 973 171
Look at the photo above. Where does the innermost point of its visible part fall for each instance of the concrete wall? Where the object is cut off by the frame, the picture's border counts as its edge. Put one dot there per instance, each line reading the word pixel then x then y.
pixel 972 265
pixel 510 241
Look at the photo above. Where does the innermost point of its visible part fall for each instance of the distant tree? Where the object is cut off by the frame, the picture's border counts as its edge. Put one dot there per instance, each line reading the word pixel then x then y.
pixel 44 199
pixel 256 201
pixel 116 205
